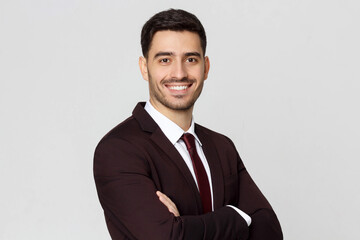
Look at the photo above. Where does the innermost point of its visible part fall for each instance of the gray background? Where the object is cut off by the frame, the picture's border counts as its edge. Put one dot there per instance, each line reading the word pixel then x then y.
pixel 283 85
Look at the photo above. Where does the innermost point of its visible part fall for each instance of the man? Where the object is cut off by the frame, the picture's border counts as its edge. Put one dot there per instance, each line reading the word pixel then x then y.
pixel 161 176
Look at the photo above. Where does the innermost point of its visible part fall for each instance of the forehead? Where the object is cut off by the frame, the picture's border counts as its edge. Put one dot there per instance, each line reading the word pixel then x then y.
pixel 175 41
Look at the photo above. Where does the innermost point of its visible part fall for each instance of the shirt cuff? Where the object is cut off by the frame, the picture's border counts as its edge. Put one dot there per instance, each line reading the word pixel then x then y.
pixel 244 215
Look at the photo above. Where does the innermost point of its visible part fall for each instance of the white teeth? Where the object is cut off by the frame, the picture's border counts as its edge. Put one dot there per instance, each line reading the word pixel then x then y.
pixel 178 87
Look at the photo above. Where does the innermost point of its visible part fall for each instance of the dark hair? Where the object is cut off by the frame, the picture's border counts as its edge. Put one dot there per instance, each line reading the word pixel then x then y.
pixel 174 20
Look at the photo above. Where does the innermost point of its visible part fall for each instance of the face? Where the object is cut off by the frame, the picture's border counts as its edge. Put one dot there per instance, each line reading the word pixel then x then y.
pixel 175 69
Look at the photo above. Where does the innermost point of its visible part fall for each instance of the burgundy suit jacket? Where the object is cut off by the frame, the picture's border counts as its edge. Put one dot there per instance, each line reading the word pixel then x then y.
pixel 135 159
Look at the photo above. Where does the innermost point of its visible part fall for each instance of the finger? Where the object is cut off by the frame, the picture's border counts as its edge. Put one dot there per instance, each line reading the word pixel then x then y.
pixel 167 200
pixel 168 203
pixel 173 211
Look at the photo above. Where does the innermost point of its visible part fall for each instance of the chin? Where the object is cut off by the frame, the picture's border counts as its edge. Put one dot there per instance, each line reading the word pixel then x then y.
pixel 184 106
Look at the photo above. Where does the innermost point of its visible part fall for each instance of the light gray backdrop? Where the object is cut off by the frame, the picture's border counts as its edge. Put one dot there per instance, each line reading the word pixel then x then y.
pixel 283 84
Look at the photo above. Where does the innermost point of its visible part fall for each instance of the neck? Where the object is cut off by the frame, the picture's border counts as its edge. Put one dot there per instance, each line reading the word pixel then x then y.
pixel 182 118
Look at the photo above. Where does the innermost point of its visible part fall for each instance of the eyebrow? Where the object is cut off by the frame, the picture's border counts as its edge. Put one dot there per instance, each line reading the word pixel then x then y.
pixel 188 54
pixel 159 54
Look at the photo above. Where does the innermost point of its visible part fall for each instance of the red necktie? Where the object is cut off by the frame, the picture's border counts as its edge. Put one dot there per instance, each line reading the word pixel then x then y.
pixel 200 173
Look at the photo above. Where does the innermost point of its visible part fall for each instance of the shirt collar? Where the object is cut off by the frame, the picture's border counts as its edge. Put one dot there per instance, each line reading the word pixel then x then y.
pixel 171 130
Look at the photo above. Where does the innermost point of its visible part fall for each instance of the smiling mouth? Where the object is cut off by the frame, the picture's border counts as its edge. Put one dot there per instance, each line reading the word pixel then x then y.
pixel 178 87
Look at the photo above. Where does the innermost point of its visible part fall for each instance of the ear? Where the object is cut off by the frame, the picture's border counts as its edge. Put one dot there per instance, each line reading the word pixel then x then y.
pixel 143 68
pixel 207 67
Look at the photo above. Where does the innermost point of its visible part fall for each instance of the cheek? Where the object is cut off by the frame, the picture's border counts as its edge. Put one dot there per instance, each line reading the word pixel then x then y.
pixel 197 72
pixel 158 73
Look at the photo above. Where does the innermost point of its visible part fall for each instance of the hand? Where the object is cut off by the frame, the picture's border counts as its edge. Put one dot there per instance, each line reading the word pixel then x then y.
pixel 168 203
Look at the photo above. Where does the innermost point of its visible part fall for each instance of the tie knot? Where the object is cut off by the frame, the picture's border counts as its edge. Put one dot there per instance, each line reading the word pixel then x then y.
pixel 189 141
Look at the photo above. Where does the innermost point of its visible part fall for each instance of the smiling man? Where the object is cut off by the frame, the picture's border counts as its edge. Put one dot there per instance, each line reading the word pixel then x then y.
pixel 176 69
pixel 158 174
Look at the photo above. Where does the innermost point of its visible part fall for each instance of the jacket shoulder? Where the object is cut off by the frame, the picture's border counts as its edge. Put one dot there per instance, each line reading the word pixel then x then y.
pixel 128 130
pixel 216 136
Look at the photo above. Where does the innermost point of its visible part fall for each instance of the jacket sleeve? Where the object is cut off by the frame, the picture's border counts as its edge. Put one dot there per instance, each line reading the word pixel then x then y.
pixel 132 209
pixel 264 222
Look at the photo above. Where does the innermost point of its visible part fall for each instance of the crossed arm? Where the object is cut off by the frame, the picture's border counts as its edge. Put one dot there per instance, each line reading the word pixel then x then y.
pixel 266 225
pixel 126 184
pixel 133 211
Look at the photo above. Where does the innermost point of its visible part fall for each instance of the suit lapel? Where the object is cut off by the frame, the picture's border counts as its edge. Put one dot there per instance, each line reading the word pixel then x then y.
pixel 213 159
pixel 158 137
pixel 168 148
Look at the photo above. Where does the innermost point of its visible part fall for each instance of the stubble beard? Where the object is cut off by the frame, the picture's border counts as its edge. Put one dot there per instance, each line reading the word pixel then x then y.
pixel 156 92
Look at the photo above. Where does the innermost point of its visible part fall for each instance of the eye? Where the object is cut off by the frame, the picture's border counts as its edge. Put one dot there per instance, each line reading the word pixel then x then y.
pixel 164 60
pixel 191 60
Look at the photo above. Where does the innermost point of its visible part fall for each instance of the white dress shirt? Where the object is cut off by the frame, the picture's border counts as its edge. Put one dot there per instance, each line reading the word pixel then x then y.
pixel 173 132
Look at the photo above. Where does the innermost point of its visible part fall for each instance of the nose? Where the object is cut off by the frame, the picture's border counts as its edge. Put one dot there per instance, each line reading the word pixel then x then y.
pixel 179 71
